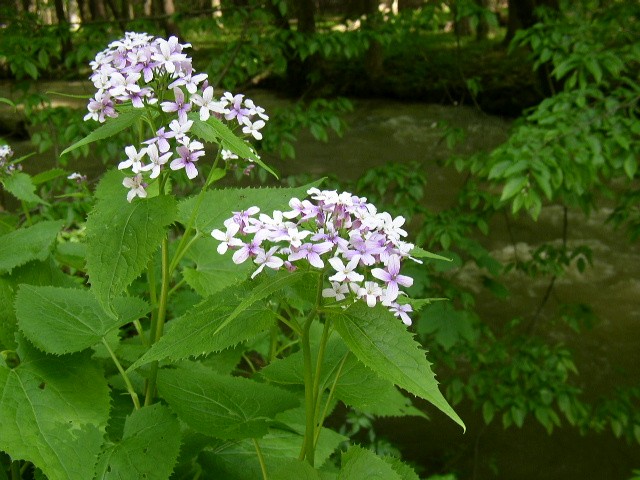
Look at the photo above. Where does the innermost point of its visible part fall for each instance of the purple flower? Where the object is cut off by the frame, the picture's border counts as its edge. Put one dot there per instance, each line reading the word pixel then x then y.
pixel 312 252
pixel 187 156
pixel 179 106
pixel 391 276
pixel 236 111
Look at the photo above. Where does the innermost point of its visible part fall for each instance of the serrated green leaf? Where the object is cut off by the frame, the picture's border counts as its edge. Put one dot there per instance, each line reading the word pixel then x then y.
pixel 149 447
pixel 218 205
pixel 53 411
pixel 234 315
pixel 108 129
pixel 359 387
pixel 33 273
pixel 222 406
pixel 358 462
pixel 26 244
pixel 213 272
pixel 65 320
pixel 21 186
pixel 402 469
pixel 214 130
pixel 384 345
pixel 122 237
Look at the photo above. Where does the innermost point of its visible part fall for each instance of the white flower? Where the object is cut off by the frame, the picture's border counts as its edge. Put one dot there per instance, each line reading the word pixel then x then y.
pixel 337 290
pixel 136 186
pixel 227 238
pixel 345 273
pixel 134 159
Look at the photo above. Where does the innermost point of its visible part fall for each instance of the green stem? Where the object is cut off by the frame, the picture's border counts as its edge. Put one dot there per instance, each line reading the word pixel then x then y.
pixel 292 324
pixel 332 391
pixel 140 330
pixel 263 466
pixel 307 451
pixel 326 333
pixel 183 247
pixel 26 212
pixel 160 319
pixel 125 377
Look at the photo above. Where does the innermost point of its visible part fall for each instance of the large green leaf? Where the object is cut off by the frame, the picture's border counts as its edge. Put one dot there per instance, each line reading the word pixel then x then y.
pixel 359 387
pixel 149 447
pixel 360 463
pixel 218 205
pixel 65 320
pixel 122 236
pixel 108 129
pixel 219 405
pixel 382 343
pixel 32 273
pixel 234 315
pixel 26 244
pixel 213 272
pixel 53 411
pixel 21 186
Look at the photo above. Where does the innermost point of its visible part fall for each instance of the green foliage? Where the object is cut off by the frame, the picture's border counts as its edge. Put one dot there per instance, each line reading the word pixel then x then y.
pixel 122 237
pixel 46 419
pixel 382 344
pixel 27 244
pixel 63 320
pixel 215 205
pixel 21 186
pixel 107 130
pixel 588 131
pixel 360 463
pixel 222 406
pixel 221 321
pixel 132 457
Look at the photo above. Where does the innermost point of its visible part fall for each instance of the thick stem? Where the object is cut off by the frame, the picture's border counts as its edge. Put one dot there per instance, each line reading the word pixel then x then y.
pixel 311 378
pixel 326 333
pixel 308 452
pixel 158 327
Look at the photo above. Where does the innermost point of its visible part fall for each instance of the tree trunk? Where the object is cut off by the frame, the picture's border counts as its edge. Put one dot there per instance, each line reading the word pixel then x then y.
pixel 169 24
pixel 482 31
pixel 374 56
pixel 63 29
pixel 97 9
pixel 522 14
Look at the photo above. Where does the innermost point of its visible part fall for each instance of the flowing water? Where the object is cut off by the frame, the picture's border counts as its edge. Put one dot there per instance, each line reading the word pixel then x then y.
pixel 384 131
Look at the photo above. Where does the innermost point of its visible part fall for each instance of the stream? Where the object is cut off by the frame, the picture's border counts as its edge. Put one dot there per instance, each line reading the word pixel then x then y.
pixel 384 131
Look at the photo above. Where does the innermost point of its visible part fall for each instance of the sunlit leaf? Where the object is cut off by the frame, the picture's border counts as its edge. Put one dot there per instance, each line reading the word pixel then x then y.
pixel 382 343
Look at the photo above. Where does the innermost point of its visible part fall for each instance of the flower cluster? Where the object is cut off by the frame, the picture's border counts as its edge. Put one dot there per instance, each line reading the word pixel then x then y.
pixel 142 70
pixel 363 247
pixel 6 153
